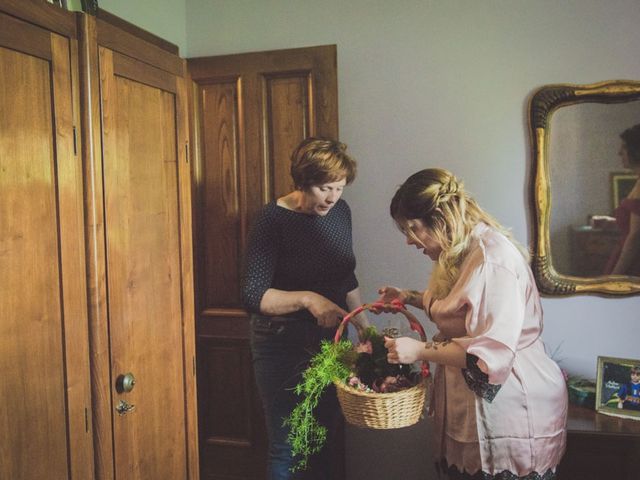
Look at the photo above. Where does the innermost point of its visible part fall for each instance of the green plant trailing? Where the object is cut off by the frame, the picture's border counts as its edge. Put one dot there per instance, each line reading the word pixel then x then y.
pixel 363 367
pixel 306 435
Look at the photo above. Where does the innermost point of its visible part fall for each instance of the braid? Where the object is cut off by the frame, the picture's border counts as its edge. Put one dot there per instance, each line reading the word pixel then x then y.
pixel 449 189
pixel 437 198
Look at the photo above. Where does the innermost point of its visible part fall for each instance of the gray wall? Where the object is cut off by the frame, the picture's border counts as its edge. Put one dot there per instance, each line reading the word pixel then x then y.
pixel 165 18
pixel 435 83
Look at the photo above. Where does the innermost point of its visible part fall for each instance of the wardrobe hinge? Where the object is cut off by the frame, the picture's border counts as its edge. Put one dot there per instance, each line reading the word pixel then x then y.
pixel 86 420
pixel 75 141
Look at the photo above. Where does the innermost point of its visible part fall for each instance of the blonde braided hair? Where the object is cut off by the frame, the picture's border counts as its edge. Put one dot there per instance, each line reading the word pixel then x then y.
pixel 437 198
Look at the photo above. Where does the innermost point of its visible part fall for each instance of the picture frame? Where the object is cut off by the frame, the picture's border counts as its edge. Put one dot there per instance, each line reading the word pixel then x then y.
pixel 617 393
pixel 621 185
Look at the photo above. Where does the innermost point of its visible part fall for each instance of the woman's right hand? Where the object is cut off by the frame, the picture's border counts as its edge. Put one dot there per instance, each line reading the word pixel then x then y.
pixel 403 349
pixel 387 295
pixel 327 313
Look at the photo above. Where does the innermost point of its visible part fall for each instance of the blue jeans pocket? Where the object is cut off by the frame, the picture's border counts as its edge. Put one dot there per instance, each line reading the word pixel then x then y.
pixel 266 326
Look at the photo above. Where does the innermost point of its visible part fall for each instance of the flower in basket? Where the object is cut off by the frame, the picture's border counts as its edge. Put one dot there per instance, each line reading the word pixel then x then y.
pixel 362 367
pixel 370 371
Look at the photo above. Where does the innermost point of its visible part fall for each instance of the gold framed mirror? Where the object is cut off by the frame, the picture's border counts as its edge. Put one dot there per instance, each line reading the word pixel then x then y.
pixel 579 178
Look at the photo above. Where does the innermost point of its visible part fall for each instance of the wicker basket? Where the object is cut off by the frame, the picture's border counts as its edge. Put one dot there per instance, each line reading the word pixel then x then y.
pixel 383 410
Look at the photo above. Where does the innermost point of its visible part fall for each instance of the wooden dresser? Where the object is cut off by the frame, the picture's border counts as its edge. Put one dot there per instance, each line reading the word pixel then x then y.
pixel 600 447
pixel 590 250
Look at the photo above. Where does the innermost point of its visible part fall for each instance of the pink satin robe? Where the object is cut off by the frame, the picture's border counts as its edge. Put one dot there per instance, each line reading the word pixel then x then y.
pixel 523 429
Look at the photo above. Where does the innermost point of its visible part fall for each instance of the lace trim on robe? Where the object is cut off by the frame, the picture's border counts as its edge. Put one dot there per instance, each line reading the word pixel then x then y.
pixel 478 381
pixel 452 473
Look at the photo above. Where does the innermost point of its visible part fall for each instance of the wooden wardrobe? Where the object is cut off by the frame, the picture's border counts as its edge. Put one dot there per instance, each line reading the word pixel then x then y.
pixel 104 132
pixel 97 346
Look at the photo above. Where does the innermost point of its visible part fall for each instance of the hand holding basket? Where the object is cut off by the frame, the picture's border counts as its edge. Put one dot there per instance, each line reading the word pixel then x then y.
pixel 383 410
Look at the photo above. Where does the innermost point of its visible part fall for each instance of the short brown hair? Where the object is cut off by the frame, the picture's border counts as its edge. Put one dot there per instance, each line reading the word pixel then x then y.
pixel 316 161
pixel 631 139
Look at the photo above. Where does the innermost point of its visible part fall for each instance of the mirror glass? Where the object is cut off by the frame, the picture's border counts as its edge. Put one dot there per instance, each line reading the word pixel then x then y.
pixel 580 178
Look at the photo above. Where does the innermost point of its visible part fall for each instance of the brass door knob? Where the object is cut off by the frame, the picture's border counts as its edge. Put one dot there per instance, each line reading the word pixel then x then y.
pixel 125 383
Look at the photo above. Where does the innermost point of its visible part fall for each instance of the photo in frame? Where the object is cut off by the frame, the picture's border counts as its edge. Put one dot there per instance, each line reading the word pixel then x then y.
pixel 618 387
pixel 621 185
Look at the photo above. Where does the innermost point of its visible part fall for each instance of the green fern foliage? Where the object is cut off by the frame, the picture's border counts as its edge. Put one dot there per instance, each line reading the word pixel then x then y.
pixel 306 435
pixel 367 363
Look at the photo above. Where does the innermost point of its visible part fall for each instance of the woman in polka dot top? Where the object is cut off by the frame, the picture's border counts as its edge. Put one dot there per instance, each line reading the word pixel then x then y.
pixel 298 283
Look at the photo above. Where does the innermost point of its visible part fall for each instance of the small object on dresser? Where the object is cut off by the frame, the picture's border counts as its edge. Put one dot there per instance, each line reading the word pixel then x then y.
pixel 603 222
pixel 582 392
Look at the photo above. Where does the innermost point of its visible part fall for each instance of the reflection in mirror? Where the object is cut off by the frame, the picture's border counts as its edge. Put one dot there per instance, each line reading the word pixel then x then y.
pixel 586 192
pixel 584 232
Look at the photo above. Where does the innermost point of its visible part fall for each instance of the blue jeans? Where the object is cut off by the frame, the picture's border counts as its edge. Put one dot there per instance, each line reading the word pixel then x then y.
pixel 281 349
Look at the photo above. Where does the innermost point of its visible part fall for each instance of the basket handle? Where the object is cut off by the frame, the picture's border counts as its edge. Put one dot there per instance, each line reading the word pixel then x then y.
pixel 395 306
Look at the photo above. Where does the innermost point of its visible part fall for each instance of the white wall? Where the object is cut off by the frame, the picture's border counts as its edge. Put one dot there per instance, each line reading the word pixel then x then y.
pixel 446 83
pixel 164 18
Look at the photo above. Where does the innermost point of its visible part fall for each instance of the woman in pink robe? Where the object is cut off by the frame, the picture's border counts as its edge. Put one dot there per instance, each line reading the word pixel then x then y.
pixel 499 402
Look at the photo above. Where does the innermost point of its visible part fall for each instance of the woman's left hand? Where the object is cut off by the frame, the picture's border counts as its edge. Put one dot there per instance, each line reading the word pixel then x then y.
pixel 403 349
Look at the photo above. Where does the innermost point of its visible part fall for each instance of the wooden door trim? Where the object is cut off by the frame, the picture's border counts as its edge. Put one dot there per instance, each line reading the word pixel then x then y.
pixel 225 312
pixel 38 12
pixel 70 206
pixel 24 37
pixel 187 271
pixel 266 61
pixel 135 70
pixel 233 329
pixel 121 41
pixel 95 247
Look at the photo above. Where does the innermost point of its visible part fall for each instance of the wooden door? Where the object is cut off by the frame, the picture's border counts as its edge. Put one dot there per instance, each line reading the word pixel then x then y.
pixel 143 291
pixel 45 430
pixel 249 111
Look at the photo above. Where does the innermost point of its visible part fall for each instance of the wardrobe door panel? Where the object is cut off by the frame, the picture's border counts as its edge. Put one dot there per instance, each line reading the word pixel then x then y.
pixel 144 277
pixel 44 382
pixel 141 283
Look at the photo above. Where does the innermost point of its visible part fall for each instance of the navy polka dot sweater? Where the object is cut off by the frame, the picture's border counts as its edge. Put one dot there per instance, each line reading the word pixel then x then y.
pixel 293 251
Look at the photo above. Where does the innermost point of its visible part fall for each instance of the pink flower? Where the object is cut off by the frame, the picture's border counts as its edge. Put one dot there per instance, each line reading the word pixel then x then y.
pixel 364 347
